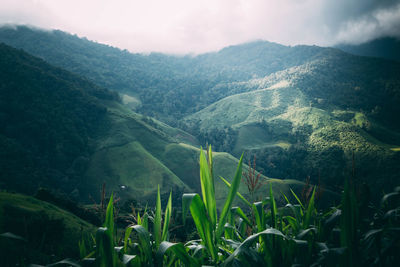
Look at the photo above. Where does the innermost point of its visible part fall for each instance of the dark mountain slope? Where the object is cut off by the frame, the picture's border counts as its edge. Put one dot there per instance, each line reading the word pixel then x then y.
pixel 48 118
pixel 388 48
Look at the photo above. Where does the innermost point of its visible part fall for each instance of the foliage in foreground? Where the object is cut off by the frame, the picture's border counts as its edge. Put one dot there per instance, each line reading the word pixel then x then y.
pixel 263 234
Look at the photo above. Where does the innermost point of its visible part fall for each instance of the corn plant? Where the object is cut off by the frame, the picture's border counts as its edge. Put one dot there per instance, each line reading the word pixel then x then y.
pixel 267 235
pixel 204 210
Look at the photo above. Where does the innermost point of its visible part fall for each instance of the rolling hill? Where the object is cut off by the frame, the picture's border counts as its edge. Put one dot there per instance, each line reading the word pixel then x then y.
pixel 302 110
pixel 309 119
pixel 67 134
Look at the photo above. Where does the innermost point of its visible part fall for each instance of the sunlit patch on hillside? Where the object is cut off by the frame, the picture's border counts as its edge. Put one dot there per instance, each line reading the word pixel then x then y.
pixel 281 84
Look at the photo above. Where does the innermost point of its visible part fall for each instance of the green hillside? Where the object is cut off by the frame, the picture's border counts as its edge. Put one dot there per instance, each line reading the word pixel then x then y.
pixel 302 110
pixel 306 122
pixel 168 87
pixel 26 217
pixel 67 134
pixel 138 153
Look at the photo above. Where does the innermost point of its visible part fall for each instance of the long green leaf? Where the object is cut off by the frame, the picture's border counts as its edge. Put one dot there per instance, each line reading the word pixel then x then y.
pixel 298 200
pixel 128 231
pixel 259 215
pixel 178 250
pixel 167 218
pixel 310 211
pixel 245 246
pixel 157 219
pixel 144 241
pixel 109 222
pixel 203 225
pixel 207 187
pixel 231 195
pixel 274 210
pixel 238 193
pixel 104 247
pixel 238 211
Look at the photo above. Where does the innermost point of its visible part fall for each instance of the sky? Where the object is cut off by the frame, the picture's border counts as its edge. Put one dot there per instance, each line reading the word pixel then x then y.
pixel 186 26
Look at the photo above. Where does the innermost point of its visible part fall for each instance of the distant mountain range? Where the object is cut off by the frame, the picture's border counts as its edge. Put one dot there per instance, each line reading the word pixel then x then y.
pixel 302 110
pixel 388 48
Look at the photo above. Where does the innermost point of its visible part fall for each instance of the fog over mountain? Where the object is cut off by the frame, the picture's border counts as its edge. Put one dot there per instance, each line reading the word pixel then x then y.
pixel 199 26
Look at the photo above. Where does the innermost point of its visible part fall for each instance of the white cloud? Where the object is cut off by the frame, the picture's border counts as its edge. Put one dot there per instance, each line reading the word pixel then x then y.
pixel 182 26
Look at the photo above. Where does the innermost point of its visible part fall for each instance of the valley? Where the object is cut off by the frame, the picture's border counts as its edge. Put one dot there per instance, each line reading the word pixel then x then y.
pixel 87 122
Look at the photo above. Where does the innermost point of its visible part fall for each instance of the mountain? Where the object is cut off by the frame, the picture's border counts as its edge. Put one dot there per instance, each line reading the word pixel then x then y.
pixel 63 132
pixel 49 118
pixel 309 119
pixel 387 47
pixel 168 87
pixel 302 110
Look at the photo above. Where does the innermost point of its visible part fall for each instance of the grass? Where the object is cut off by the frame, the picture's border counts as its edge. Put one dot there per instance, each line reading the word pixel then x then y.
pixel 48 230
pixel 132 102
pixel 134 167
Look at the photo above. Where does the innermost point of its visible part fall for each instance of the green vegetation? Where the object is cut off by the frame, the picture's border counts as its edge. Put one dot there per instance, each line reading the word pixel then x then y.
pixel 49 118
pixel 264 233
pixel 303 113
pixel 41 231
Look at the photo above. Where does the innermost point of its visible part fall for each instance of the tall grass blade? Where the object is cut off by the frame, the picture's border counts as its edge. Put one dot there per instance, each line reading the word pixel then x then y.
pixel 259 215
pixel 238 193
pixel 310 211
pixel 245 246
pixel 207 187
pixel 274 210
pixel 178 250
pixel 144 242
pixel 231 195
pixel 167 218
pixel 157 220
pixel 109 222
pixel 104 248
pixel 128 232
pixel 238 211
pixel 297 198
pixel 203 225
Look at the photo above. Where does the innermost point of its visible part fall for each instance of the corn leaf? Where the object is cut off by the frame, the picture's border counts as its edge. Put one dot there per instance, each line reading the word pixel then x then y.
pixel 231 195
pixel 207 188
pixel 238 194
pixel 167 218
pixel 178 250
pixel 157 219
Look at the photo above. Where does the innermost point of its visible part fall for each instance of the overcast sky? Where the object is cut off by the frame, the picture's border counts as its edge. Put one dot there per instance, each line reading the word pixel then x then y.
pixel 186 26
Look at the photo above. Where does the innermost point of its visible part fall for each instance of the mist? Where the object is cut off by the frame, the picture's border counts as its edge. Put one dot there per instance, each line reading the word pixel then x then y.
pixel 182 26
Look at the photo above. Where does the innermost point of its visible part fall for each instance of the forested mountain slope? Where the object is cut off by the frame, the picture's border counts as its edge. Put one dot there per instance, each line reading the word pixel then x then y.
pixel 49 117
pixel 168 87
pixel 302 110
pixel 63 132
pixel 386 47
pixel 308 120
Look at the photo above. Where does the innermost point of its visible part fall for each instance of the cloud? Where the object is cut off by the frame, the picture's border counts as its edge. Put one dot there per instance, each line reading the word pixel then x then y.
pixel 376 24
pixel 183 26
